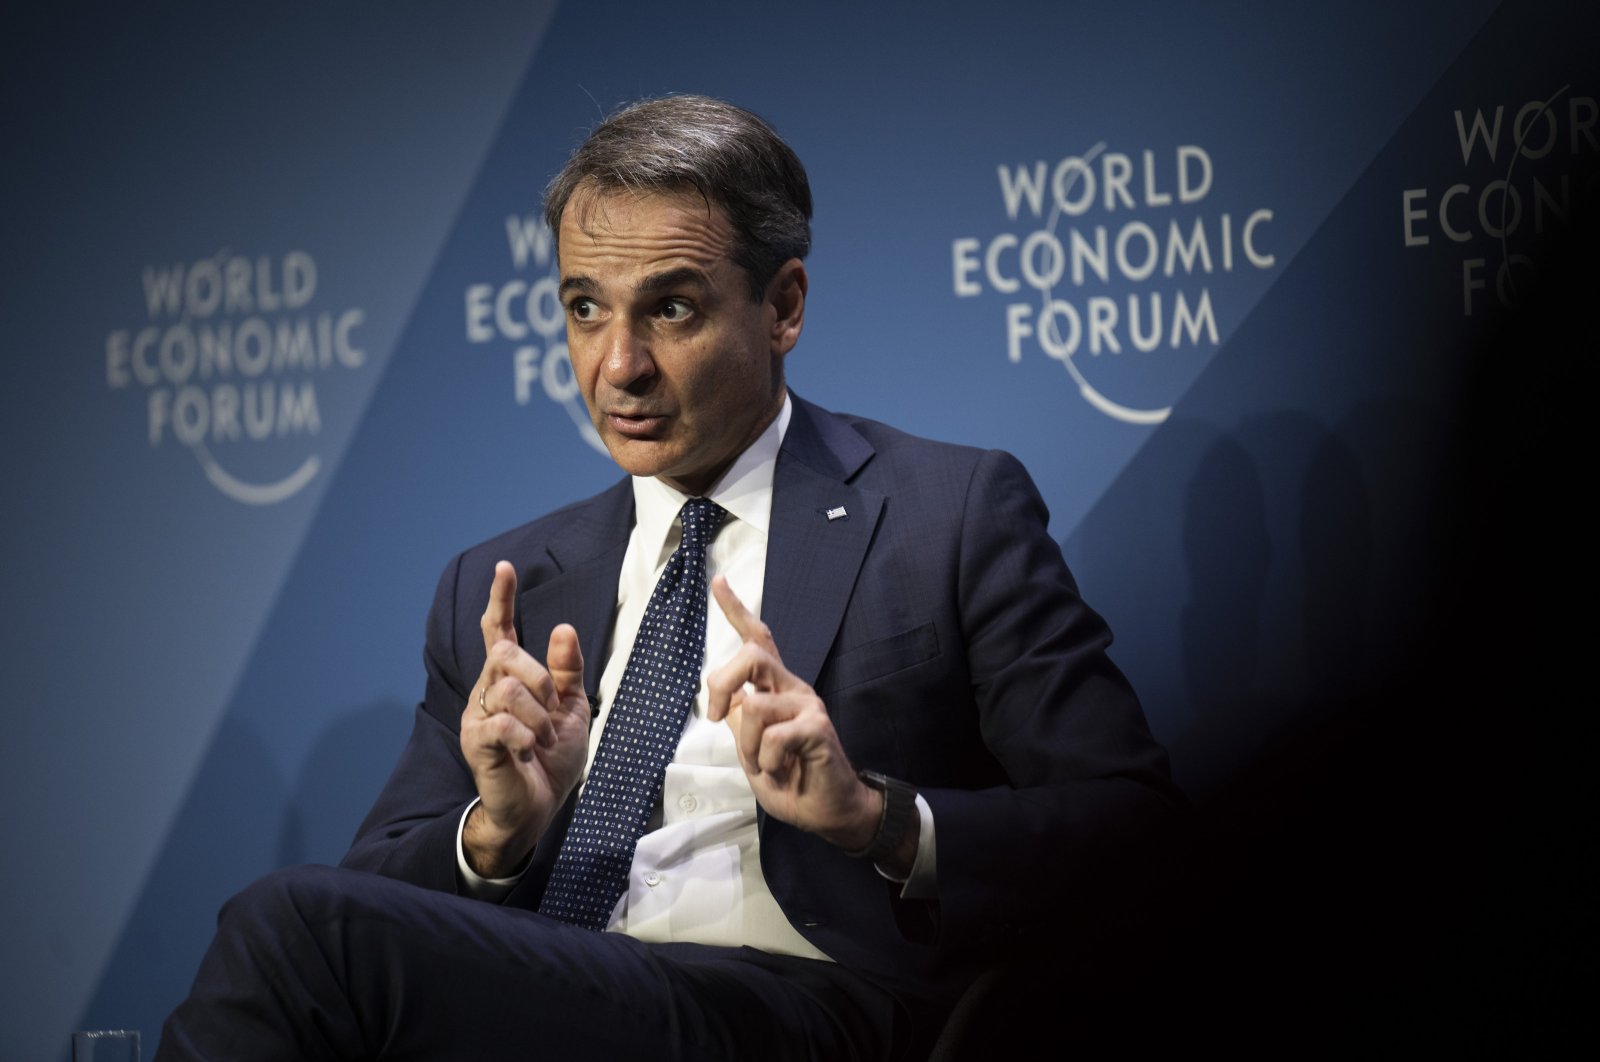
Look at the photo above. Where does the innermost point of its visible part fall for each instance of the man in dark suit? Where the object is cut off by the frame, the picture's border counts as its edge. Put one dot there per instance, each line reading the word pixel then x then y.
pixel 917 752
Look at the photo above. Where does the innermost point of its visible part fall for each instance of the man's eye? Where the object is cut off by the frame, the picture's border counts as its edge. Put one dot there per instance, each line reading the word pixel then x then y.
pixel 582 309
pixel 676 310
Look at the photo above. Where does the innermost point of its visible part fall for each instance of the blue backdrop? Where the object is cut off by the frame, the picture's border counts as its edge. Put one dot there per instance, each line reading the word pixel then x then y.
pixel 1236 282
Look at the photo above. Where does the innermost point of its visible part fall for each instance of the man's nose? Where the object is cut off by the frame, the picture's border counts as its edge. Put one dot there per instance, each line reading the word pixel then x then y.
pixel 628 364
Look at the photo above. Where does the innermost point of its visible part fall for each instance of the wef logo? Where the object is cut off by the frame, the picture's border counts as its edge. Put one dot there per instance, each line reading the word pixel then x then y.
pixel 228 362
pixel 1106 265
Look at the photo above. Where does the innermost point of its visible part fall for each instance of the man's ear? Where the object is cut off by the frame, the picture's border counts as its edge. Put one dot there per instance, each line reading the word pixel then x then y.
pixel 786 299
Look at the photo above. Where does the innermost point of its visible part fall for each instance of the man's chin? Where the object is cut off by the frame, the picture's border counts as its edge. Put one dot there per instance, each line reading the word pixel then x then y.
pixel 638 457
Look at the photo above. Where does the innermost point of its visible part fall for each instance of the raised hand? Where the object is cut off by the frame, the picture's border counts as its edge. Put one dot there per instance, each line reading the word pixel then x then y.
pixel 787 744
pixel 524 733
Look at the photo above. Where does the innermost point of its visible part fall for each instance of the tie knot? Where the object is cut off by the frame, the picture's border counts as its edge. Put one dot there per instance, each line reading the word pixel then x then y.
pixel 700 517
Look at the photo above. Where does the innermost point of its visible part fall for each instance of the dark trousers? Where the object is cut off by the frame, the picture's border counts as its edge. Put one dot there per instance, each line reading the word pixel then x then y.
pixel 324 963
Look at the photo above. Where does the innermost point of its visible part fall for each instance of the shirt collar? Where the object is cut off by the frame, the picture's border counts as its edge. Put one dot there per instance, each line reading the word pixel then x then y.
pixel 744 490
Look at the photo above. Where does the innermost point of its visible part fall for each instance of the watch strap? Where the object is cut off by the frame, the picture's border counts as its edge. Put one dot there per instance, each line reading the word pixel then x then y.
pixel 899 812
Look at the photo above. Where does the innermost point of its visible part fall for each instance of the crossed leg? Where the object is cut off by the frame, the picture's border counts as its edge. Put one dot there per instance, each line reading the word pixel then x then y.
pixel 325 963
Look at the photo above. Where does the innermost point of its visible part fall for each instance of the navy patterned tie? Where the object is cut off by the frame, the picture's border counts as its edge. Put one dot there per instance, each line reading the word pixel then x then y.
pixel 641 734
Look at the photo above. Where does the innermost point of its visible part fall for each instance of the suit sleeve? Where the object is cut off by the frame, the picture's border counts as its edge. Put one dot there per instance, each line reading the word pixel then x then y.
pixel 1082 784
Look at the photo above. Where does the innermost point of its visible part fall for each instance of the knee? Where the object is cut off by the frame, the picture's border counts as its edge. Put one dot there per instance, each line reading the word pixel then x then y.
pixel 282 900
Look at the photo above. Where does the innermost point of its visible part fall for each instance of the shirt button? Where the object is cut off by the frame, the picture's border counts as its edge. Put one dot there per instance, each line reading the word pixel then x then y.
pixel 688 803
pixel 652 879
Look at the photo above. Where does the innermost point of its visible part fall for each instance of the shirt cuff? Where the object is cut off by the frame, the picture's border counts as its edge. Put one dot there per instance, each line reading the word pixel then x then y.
pixel 493 890
pixel 923 883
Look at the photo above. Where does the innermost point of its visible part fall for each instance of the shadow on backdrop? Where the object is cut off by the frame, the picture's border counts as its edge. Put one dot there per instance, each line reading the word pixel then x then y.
pixel 239 803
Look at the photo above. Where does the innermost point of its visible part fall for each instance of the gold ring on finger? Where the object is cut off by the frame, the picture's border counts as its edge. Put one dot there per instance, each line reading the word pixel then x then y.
pixel 483 705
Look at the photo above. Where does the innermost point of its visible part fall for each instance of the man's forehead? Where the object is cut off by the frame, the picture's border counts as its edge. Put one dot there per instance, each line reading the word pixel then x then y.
pixel 593 209
pixel 626 229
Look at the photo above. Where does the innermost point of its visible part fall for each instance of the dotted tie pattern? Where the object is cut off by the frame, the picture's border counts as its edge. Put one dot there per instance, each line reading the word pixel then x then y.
pixel 641 733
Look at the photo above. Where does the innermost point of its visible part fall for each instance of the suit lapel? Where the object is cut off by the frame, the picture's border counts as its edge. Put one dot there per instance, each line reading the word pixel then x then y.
pixel 812 558
pixel 586 555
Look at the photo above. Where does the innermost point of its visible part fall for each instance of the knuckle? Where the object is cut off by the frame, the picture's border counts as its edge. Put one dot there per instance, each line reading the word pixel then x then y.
pixel 505 729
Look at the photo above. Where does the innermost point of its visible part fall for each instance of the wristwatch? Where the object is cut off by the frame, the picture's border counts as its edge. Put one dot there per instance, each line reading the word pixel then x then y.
pixel 899 812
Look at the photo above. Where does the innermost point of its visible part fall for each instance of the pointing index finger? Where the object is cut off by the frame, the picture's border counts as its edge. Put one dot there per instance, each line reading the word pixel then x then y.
pixel 499 615
pixel 743 621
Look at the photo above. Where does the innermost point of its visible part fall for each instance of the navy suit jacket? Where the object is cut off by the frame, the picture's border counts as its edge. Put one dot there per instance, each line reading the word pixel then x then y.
pixel 938 623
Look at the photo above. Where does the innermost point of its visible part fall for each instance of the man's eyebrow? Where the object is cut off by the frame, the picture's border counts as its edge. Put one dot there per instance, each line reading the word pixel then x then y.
pixel 682 277
pixel 584 285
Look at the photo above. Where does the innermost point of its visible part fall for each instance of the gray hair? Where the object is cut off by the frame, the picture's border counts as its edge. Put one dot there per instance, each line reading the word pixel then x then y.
pixel 731 157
